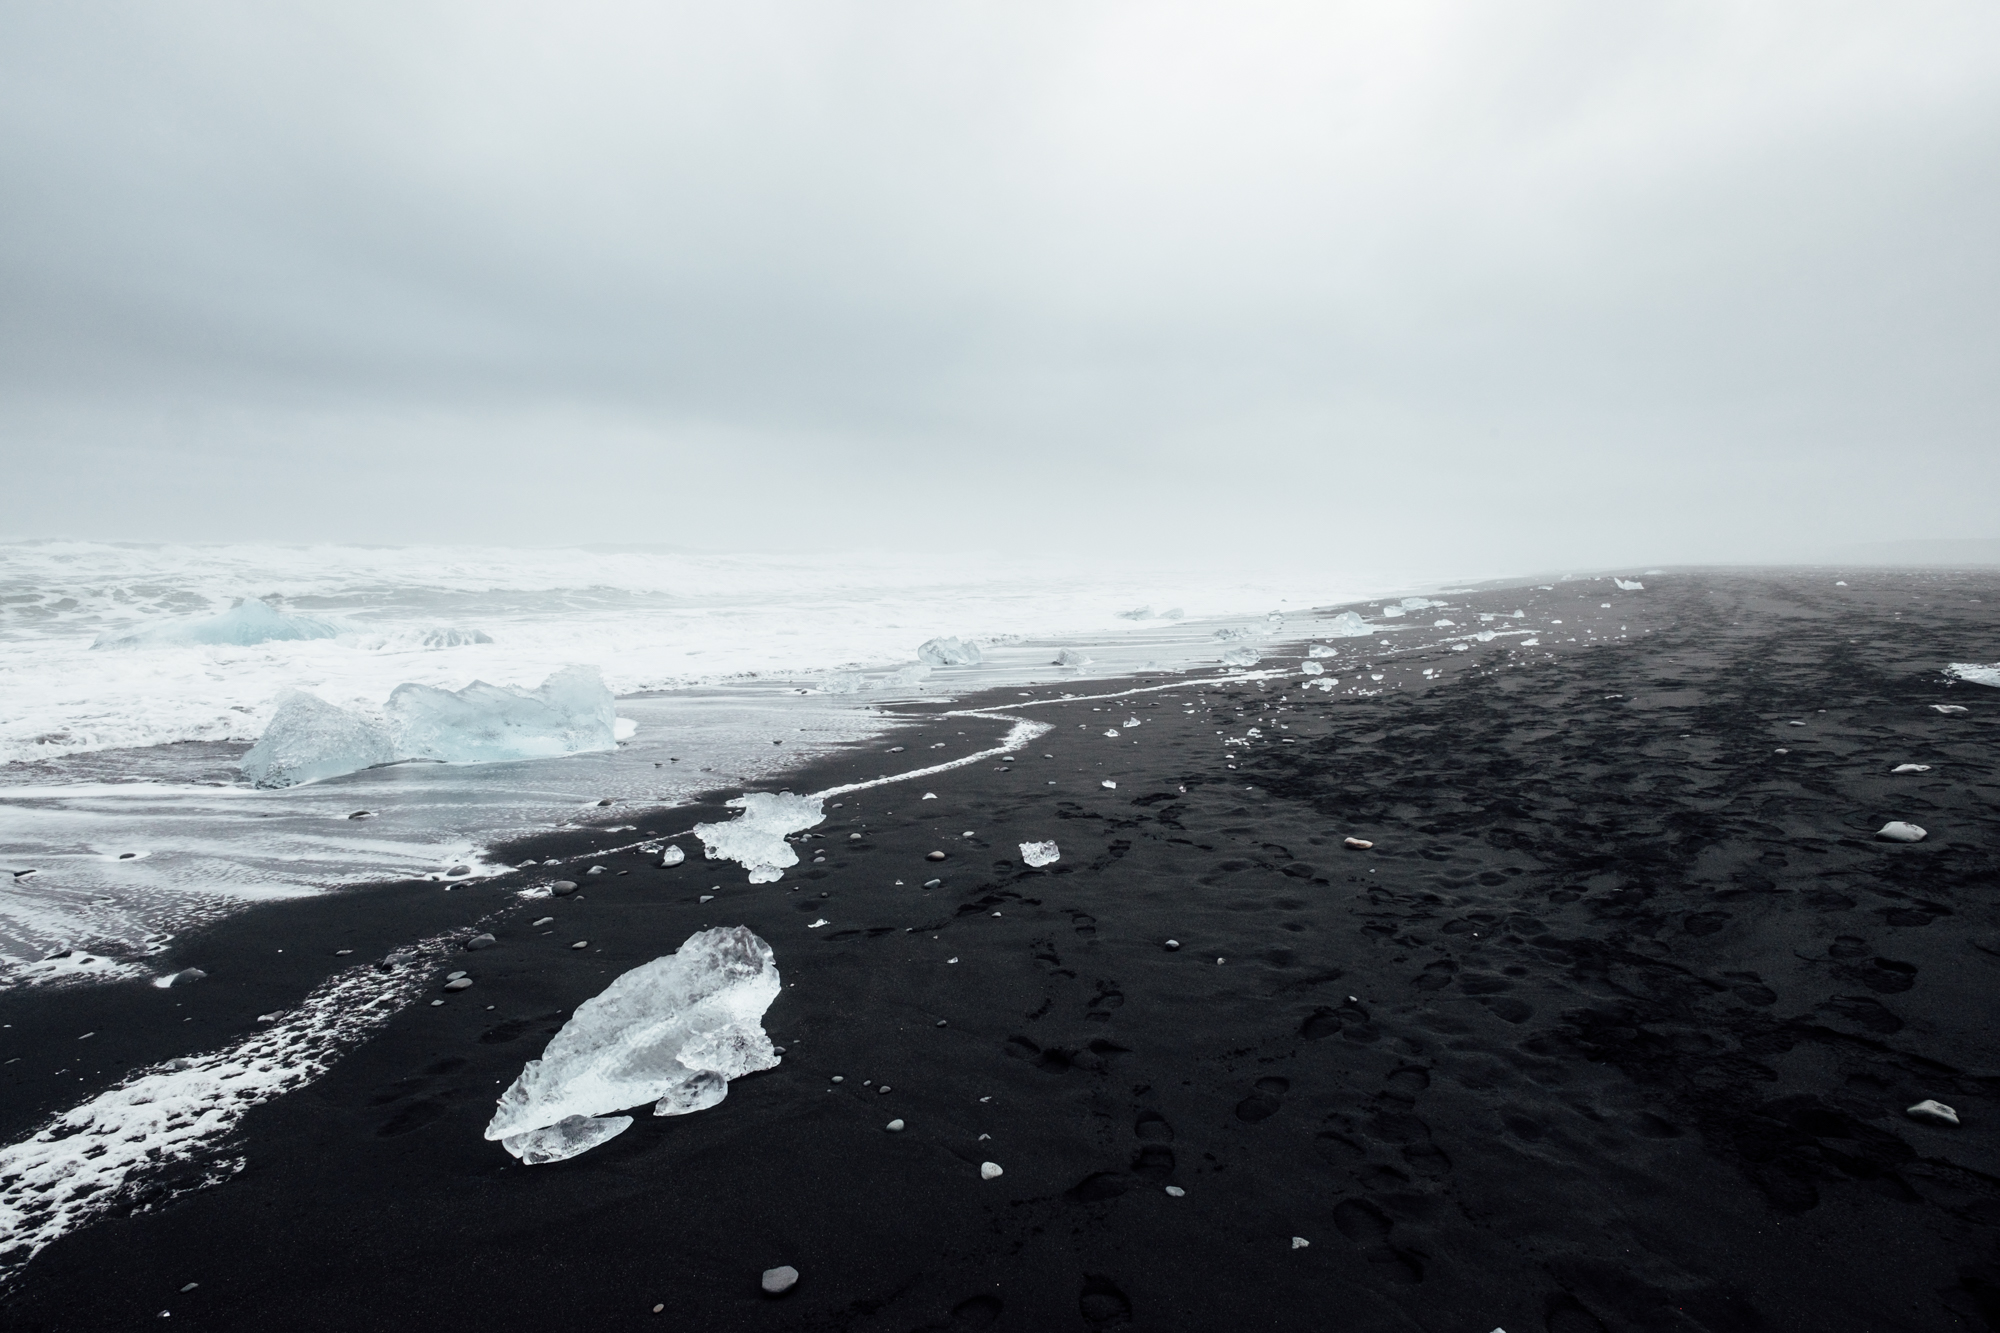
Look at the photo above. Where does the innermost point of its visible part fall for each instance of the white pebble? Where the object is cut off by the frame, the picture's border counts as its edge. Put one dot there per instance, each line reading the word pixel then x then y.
pixel 580 944
pixel 1108 785
pixel 990 1171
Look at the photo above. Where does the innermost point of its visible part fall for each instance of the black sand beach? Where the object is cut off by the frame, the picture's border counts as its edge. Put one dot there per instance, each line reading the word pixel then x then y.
pixel 1612 1028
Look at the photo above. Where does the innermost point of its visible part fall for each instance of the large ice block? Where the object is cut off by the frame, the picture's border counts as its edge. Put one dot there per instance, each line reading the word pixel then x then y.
pixel 673 1032
pixel 310 739
pixel 569 713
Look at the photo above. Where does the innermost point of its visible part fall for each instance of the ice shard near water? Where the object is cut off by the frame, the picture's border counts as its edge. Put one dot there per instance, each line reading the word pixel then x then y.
pixel 310 739
pixel 673 1032
pixel 569 713
pixel 756 838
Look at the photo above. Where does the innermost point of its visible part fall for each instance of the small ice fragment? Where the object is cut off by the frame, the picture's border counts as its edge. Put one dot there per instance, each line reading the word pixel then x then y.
pixel 1173 945
pixel 1040 853
pixel 1300 1242
pixel 480 941
pixel 672 856
pixel 1312 668
pixel 1071 657
pixel 930 796
pixel 1934 1111
pixel 595 870
pixel 1175 1192
pixel 817 924
pixel 1108 785
pixel 544 921
pixel 1951 708
pixel 1111 732
pixel 1240 657
pixel 949 652
pixel 1624 586
pixel 777 1281
pixel 894 1126
pixel 952 959
pixel 1911 768
pixel 458 983
pixel 1897 830
pixel 990 1171
pixel 757 838
pixel 581 944
pixel 1444 624
pixel 706 898
pixel 842 682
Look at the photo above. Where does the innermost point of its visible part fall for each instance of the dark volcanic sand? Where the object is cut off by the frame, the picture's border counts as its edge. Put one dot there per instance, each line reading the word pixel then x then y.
pixel 1613 1029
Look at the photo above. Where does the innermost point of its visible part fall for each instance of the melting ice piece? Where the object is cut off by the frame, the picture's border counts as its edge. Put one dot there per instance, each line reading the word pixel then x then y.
pixel 950 652
pixel 1325 650
pixel 1979 673
pixel 1312 668
pixel 673 856
pixel 908 675
pixel 1071 657
pixel 1231 633
pixel 1897 830
pixel 1040 853
pixel 249 621
pixel 1393 611
pixel 1348 625
pixel 309 739
pixel 569 713
pixel 1632 586
pixel 756 838
pixel 1240 657
pixel 673 1032
pixel 842 682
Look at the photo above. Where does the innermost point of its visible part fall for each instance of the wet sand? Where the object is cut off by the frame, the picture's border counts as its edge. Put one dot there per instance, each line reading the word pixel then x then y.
pixel 1612 1028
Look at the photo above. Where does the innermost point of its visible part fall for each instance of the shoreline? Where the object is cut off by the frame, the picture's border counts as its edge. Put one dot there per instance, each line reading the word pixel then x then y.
pixel 1434 1032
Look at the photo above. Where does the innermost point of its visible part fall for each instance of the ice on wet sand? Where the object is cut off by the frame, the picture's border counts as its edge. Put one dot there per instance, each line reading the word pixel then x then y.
pixel 756 838
pixel 1347 625
pixel 673 1032
pixel 569 713
pixel 310 739
pixel 950 652
pixel 1039 853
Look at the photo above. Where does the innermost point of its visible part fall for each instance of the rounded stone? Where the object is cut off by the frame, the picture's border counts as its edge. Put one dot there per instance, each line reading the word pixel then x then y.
pixel 777 1281
pixel 1357 844
pixel 1173 945
pixel 894 1126
pixel 934 856
pixel 933 883
pixel 481 942
pixel 563 888
pixel 990 1171
pixel 460 983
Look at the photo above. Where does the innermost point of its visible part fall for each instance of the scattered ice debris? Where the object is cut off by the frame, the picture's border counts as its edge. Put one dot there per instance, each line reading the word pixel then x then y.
pixel 756 838
pixel 1461 647
pixel 185 976
pixel 673 1031
pixel 250 621
pixel 950 652
pixel 1242 657
pixel 1979 673
pixel 1111 733
pixel 1071 657
pixel 990 1171
pixel 1108 785
pixel 1312 668
pixel 1951 708
pixel 817 924
pixel 1393 612
pixel 1039 853
pixel 1300 1242
pixel 1175 1192
pixel 896 749
pixel 1348 625
pixel 1934 1111
pixel 1628 586
pixel 672 856
pixel 1444 624
pixel 777 1281
pixel 309 739
pixel 1322 650
pixel 894 1126
pixel 1898 831
pixel 1911 768
pixel 1357 844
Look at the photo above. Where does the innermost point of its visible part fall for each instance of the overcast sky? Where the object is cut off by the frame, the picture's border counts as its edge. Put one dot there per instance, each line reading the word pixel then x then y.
pixel 1479 285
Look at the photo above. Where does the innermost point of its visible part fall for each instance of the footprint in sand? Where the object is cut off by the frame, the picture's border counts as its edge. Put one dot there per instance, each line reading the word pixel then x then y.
pixel 1368 1227
pixel 1263 1103
pixel 1102 1304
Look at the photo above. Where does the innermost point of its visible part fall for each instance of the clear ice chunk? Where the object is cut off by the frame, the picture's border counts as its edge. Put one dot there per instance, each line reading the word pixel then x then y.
pixel 1071 657
pixel 1040 853
pixel 755 839
pixel 842 682
pixel 1241 657
pixel 1312 668
pixel 1348 625
pixel 250 621
pixel 569 713
pixel 674 1032
pixel 309 739
pixel 1978 673
pixel 1632 585
pixel 1322 650
pixel 950 652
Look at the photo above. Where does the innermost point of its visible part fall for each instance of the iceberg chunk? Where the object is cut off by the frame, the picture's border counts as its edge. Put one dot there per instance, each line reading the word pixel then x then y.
pixel 250 621
pixel 674 1032
pixel 1978 673
pixel 569 713
pixel 755 839
pixel 1348 625
pixel 1071 657
pixel 949 652
pixel 1624 586
pixel 310 739
pixel 1040 853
